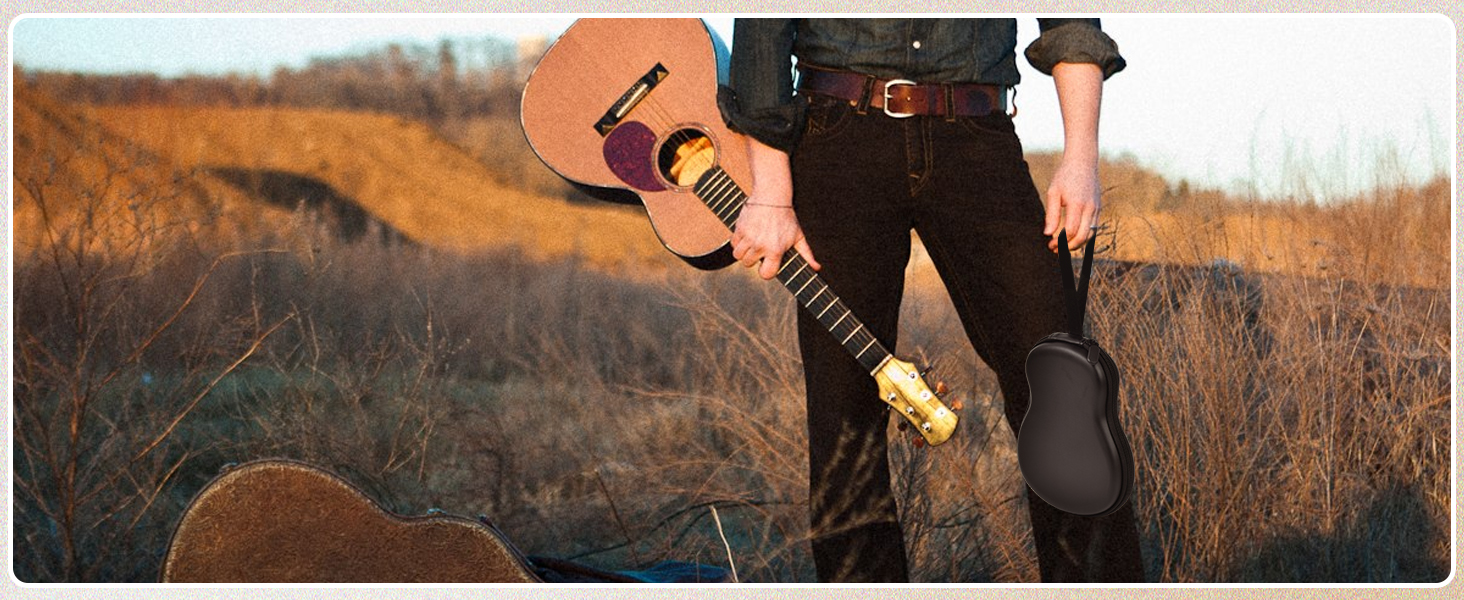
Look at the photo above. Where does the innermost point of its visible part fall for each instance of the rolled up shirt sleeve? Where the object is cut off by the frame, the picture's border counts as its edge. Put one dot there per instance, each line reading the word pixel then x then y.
pixel 1074 41
pixel 758 99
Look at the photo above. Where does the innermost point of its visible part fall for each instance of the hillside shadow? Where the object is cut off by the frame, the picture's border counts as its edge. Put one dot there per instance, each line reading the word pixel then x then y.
pixel 1392 541
pixel 342 215
pixel 1222 287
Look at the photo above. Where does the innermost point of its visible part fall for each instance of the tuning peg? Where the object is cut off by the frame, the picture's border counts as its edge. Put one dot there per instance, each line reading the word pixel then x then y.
pixel 919 442
pixel 904 425
pixel 925 369
pixel 940 388
pixel 957 404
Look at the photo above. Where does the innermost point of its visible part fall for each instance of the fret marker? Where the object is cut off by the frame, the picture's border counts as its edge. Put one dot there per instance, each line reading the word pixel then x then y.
pixel 841 320
pixel 815 296
pixel 799 271
pixel 826 309
pixel 785 266
pixel 805 284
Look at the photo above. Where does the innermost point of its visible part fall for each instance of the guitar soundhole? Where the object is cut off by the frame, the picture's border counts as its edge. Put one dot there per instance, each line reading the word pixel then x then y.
pixel 685 156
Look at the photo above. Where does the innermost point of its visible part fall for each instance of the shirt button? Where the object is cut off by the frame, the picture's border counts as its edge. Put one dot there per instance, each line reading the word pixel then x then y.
pixel 916 44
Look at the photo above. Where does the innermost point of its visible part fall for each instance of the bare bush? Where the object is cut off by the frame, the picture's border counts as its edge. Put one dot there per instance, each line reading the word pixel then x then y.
pixel 119 339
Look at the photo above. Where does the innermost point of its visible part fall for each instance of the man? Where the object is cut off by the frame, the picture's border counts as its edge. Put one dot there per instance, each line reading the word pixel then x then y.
pixel 900 124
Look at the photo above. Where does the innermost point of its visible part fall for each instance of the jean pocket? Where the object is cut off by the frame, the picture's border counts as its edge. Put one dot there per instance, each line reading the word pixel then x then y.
pixel 826 118
pixel 995 123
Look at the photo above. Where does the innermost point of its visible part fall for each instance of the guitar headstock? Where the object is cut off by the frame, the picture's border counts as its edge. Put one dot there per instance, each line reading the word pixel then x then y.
pixel 904 389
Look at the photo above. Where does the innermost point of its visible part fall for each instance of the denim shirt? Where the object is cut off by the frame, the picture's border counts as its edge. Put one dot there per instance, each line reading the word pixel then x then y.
pixel 759 100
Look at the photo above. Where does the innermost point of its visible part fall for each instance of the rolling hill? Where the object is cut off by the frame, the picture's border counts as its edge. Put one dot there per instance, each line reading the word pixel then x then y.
pixel 398 171
pixel 72 172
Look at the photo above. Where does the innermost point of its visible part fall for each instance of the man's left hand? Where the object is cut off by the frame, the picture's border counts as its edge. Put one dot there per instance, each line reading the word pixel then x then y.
pixel 1073 203
pixel 1072 197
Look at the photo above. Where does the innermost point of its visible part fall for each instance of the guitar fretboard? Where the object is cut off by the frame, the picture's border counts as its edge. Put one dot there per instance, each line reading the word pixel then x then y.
pixel 725 198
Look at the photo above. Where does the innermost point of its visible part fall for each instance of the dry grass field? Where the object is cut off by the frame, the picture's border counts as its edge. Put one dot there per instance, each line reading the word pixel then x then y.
pixel 498 352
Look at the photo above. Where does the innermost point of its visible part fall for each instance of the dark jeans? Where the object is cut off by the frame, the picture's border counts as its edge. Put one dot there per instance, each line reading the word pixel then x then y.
pixel 861 182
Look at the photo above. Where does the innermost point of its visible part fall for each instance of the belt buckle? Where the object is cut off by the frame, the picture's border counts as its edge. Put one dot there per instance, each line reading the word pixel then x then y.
pixel 887 97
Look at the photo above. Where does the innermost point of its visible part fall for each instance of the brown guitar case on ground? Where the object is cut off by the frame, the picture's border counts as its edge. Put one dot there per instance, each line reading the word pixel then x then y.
pixel 280 521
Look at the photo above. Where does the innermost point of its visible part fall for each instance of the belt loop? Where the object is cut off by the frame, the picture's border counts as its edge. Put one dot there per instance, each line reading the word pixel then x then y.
pixel 949 92
pixel 863 106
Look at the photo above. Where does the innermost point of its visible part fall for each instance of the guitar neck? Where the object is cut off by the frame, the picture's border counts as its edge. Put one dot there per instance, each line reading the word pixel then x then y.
pixel 726 198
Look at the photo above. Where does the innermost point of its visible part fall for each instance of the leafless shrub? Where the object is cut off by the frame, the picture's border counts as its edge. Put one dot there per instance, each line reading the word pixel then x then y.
pixel 112 358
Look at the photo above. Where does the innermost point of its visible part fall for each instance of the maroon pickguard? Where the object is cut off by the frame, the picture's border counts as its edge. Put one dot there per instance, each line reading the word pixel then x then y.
pixel 629 151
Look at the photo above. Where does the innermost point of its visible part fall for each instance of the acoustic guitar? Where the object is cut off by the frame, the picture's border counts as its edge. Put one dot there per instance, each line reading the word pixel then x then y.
pixel 630 104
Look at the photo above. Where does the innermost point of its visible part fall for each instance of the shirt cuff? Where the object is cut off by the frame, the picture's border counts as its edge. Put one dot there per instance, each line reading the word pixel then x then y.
pixel 1076 42
pixel 779 126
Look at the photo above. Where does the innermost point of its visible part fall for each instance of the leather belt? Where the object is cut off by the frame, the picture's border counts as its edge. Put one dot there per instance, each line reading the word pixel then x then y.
pixel 902 97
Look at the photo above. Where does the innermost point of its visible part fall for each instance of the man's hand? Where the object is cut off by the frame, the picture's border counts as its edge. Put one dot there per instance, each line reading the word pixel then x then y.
pixel 767 227
pixel 1072 203
pixel 1073 197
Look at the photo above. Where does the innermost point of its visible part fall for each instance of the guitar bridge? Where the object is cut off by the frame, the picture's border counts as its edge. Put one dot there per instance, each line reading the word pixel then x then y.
pixel 630 99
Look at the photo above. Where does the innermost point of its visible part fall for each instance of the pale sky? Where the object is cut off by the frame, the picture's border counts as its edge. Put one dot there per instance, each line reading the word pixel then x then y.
pixel 1332 104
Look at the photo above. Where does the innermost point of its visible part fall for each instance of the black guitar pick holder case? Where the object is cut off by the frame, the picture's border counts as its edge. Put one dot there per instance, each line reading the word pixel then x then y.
pixel 1071 447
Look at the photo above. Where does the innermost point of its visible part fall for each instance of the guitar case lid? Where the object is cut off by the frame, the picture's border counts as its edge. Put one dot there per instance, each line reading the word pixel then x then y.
pixel 282 521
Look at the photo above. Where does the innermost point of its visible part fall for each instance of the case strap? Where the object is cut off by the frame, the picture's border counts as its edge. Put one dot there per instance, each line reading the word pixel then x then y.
pixel 1077 297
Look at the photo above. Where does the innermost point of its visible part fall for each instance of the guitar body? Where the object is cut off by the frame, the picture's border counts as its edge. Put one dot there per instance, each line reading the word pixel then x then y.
pixel 587 115
pixel 280 521
pixel 1071 448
